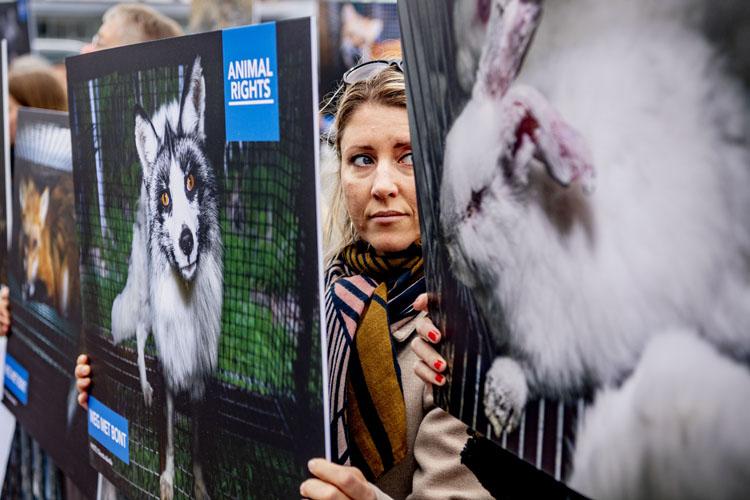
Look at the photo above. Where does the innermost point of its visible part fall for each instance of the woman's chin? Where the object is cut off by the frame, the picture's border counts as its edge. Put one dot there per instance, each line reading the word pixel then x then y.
pixel 391 245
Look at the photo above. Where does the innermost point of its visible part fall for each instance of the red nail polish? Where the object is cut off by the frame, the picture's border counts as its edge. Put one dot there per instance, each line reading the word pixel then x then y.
pixel 438 364
pixel 433 336
pixel 439 378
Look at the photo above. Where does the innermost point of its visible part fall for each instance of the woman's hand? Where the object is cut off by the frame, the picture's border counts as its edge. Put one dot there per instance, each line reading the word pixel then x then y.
pixel 83 380
pixel 4 311
pixel 335 482
pixel 431 365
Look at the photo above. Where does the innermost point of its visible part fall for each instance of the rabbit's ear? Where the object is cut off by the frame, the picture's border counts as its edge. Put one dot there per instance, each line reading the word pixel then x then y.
pixel 566 155
pixel 541 132
pixel 511 28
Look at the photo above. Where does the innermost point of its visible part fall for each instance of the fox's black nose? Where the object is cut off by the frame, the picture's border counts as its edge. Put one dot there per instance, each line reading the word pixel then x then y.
pixel 186 241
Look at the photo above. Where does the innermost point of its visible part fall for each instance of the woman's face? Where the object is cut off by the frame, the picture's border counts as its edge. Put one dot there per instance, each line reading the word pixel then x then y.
pixel 377 177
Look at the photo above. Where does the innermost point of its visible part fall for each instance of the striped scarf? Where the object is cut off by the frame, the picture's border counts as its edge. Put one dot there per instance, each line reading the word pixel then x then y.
pixel 365 294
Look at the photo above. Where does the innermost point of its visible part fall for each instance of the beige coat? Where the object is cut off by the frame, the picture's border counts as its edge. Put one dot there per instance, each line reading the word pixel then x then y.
pixel 432 469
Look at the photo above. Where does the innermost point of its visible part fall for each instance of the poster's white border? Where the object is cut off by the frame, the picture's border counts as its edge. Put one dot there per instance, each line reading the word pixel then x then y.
pixel 6 143
pixel 319 235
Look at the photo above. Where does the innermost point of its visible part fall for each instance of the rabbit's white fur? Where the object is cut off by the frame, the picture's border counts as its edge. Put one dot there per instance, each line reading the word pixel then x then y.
pixel 677 428
pixel 583 281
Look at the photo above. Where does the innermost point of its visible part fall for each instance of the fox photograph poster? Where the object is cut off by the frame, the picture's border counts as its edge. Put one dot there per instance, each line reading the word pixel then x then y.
pixel 45 294
pixel 195 165
pixel 584 204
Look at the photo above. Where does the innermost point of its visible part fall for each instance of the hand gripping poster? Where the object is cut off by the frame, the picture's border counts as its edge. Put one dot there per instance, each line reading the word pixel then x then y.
pixel 195 165
pixel 43 278
pixel 583 180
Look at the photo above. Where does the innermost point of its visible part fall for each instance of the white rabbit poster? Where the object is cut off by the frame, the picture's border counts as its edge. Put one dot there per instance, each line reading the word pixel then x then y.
pixel 584 179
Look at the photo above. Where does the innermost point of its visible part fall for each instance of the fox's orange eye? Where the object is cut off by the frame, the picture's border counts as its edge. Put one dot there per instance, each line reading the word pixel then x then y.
pixel 190 182
pixel 165 199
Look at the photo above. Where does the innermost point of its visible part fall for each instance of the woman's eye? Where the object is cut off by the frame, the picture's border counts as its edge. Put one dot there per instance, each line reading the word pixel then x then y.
pixel 407 159
pixel 362 160
pixel 165 199
pixel 190 182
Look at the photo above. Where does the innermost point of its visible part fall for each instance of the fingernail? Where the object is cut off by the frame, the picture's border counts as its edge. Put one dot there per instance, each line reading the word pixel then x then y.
pixel 438 364
pixel 433 336
pixel 439 378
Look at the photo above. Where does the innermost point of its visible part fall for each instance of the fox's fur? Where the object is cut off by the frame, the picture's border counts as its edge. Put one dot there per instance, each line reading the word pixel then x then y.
pixel 175 275
pixel 48 246
pixel 576 284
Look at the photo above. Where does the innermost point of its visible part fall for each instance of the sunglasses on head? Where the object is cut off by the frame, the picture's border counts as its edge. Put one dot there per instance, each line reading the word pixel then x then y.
pixel 366 70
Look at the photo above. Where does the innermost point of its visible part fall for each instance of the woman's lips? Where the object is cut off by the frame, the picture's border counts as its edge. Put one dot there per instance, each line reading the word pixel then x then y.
pixel 387 216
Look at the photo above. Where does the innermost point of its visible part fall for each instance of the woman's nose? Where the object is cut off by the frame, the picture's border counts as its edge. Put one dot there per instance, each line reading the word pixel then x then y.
pixel 384 184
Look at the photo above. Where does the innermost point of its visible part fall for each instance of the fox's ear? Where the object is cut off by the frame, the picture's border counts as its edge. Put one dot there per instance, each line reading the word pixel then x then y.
pixel 22 194
pixel 193 103
pixel 146 140
pixel 44 204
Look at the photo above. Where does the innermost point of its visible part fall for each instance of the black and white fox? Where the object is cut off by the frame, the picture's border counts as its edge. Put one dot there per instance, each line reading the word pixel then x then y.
pixel 175 274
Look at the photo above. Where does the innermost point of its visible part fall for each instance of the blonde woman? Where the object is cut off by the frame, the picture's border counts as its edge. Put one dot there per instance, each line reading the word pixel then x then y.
pixel 389 440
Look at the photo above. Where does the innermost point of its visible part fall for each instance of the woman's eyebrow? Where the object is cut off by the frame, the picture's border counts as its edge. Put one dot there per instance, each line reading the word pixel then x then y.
pixel 363 147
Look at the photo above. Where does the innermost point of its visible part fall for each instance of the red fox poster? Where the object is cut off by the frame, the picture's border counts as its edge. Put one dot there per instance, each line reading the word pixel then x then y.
pixel 43 277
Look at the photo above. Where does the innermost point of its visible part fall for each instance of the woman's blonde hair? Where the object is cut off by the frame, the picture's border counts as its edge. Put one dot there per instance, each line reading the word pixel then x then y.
pixel 386 88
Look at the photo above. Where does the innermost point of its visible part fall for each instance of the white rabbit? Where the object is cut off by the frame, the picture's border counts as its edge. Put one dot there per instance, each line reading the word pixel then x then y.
pixel 583 279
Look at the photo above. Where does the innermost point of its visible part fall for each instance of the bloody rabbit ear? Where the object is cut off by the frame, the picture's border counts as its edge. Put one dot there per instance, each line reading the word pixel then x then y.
pixel 510 30
pixel 556 143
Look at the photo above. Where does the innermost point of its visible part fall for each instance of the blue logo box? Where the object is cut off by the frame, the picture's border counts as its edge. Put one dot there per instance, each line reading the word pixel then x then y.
pixel 109 429
pixel 16 379
pixel 251 90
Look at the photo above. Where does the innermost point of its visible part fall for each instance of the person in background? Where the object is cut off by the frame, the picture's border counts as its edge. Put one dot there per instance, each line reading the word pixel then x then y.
pixel 128 23
pixel 33 86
